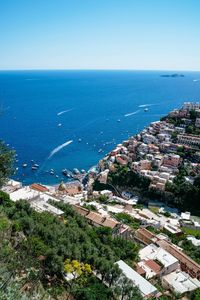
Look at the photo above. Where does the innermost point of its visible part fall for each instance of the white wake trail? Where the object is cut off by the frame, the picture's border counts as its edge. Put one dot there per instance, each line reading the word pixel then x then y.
pixel 133 113
pixel 54 151
pixel 64 111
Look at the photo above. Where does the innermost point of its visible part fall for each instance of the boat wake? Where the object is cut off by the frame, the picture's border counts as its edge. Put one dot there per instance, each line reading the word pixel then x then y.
pixel 57 149
pixel 133 113
pixel 63 112
pixel 146 105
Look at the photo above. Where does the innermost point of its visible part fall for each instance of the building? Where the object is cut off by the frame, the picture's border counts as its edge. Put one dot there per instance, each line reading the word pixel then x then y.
pixel 171 160
pixel 147 290
pixel 191 105
pixel 197 123
pixel 38 187
pixel 187 264
pixel 167 262
pixel 144 236
pixel 189 140
pixel 180 282
pixel 98 220
pixel 148 268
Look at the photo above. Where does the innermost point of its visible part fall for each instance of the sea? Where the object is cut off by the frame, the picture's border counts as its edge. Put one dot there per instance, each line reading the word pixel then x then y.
pixel 72 119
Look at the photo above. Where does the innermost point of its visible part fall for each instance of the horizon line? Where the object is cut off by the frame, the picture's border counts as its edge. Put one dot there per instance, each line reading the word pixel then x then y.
pixel 97 69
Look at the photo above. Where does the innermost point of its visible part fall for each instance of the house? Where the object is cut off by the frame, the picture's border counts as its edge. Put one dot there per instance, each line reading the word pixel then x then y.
pixel 180 282
pixel 187 264
pixel 167 262
pixel 171 160
pixel 189 140
pixel 149 268
pixel 145 236
pixel 38 187
pixel 147 290
pixel 197 123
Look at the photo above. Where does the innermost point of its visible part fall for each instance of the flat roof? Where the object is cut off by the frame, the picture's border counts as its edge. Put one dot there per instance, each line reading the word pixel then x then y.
pixel 181 282
pixel 153 252
pixel 144 286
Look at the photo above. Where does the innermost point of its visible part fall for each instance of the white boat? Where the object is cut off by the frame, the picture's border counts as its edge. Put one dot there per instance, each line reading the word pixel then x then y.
pixel 76 171
pixel 52 171
pixel 36 165
pixel 146 109
pixel 24 165
pixel 118 120
pixel 79 140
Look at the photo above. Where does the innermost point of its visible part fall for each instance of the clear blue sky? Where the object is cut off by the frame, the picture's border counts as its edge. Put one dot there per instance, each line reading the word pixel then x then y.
pixel 100 34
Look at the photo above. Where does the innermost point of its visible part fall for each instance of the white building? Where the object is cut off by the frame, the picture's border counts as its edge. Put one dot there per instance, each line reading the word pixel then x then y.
pixel 180 282
pixel 168 262
pixel 146 288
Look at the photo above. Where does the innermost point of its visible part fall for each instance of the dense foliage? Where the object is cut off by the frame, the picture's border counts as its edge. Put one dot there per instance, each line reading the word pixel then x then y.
pixel 6 162
pixel 124 177
pixel 46 242
pixel 191 250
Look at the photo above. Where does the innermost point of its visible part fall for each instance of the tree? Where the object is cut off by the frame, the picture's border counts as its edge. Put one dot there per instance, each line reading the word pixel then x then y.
pixel 76 268
pixel 125 289
pixel 6 163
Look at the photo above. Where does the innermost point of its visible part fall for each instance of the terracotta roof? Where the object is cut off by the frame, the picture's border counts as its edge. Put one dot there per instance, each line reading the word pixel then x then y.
pixel 100 220
pixel 153 265
pixel 39 187
pixel 80 210
pixel 110 223
pixel 140 270
pixel 94 217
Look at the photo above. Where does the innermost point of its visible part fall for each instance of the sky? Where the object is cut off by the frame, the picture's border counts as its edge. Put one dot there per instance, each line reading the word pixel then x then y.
pixel 100 34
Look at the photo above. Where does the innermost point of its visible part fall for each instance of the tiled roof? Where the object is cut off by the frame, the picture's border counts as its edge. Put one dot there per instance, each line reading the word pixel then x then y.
pixel 153 265
pixel 39 187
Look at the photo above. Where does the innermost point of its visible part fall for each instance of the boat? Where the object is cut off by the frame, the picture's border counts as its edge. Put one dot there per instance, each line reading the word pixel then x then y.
pixel 57 176
pixel 79 140
pixel 34 168
pixel 52 171
pixel 100 150
pixel 146 109
pixel 76 171
pixel 59 124
pixel 118 120
pixel 66 173
pixel 24 165
pixel 36 165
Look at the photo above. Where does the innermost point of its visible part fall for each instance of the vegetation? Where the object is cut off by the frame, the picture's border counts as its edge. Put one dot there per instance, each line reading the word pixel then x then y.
pixel 42 247
pixel 6 163
pixel 90 206
pixel 127 219
pixel 190 231
pixel 191 250
pixel 124 177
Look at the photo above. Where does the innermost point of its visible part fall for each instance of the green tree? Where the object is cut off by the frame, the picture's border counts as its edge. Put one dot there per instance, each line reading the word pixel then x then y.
pixel 6 163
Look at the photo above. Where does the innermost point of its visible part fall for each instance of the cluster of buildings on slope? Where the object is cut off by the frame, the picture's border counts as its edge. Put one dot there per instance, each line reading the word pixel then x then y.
pixel 153 153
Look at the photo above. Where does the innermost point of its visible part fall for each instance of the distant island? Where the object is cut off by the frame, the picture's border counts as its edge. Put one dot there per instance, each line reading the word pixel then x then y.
pixel 172 75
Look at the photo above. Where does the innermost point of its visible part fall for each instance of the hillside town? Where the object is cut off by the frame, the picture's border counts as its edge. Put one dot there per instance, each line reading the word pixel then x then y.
pixel 158 153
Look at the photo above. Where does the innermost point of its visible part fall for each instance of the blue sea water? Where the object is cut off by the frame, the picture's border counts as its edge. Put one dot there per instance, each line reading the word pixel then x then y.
pixel 92 103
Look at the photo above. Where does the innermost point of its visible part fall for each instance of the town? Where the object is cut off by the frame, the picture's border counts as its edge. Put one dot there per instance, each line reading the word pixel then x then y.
pixel 155 161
